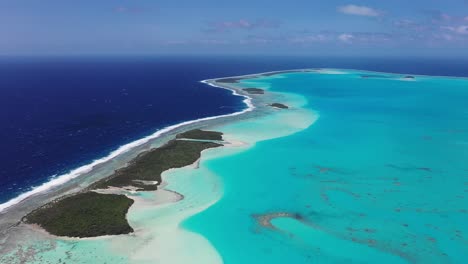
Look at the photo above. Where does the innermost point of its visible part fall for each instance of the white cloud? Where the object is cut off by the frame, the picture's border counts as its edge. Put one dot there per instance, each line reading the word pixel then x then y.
pixel 358 10
pixel 463 30
pixel 346 37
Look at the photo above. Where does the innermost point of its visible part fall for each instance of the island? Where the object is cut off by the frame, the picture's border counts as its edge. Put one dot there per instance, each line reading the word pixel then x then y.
pixel 147 226
pixel 200 135
pixel 90 213
pixel 264 220
pixel 144 173
pixel 229 80
pixel 279 105
pixel 254 90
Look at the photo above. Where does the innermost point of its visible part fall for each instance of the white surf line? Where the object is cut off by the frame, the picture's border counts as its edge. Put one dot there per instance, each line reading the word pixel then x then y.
pixel 59 180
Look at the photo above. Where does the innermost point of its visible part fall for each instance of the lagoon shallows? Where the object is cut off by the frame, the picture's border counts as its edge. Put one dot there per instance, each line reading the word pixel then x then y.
pixel 381 176
pixel 357 170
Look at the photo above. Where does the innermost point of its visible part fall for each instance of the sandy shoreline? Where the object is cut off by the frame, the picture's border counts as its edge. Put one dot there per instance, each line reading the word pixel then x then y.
pixel 10 217
pixel 75 179
pixel 59 183
pixel 78 178
pixel 172 226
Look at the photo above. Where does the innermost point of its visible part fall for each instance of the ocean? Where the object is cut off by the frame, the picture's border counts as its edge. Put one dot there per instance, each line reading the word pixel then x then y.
pixel 60 113
pixel 364 167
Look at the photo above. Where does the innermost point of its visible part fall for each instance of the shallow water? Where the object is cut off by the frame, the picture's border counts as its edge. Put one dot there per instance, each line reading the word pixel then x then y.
pixel 381 176
pixel 358 170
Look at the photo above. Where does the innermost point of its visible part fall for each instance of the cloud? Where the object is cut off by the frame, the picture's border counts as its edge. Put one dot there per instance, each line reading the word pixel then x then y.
pixel 436 28
pixel 226 26
pixel 347 38
pixel 462 30
pixel 359 10
pixel 439 17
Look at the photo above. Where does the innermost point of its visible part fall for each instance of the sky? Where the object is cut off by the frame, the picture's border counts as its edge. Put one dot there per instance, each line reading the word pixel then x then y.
pixel 436 28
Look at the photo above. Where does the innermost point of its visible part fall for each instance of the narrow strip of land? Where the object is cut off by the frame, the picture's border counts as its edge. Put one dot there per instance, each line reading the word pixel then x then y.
pixel 91 214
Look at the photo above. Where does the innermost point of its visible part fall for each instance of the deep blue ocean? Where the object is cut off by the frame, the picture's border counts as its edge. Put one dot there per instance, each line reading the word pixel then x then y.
pixel 59 113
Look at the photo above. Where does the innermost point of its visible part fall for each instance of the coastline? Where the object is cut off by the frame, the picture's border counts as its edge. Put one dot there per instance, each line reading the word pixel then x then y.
pixel 260 103
pixel 159 137
pixel 324 198
pixel 59 180
pixel 12 211
pixel 57 186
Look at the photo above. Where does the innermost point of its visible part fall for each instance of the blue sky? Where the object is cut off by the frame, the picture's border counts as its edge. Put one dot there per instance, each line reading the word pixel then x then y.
pixel 300 27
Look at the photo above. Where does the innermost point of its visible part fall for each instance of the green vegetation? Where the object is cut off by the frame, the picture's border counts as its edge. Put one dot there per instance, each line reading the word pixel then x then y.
pixel 91 214
pixel 202 135
pixel 144 172
pixel 149 165
pixel 86 214
pixel 229 80
pixel 278 105
pixel 254 90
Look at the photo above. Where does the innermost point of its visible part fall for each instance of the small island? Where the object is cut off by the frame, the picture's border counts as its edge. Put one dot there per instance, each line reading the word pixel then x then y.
pixel 264 220
pixel 91 214
pixel 201 135
pixel 144 173
pixel 278 105
pixel 88 214
pixel 254 90
pixel 229 80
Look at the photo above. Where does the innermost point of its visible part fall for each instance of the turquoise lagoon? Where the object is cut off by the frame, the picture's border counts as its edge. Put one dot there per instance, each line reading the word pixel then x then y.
pixel 360 169
pixel 381 176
